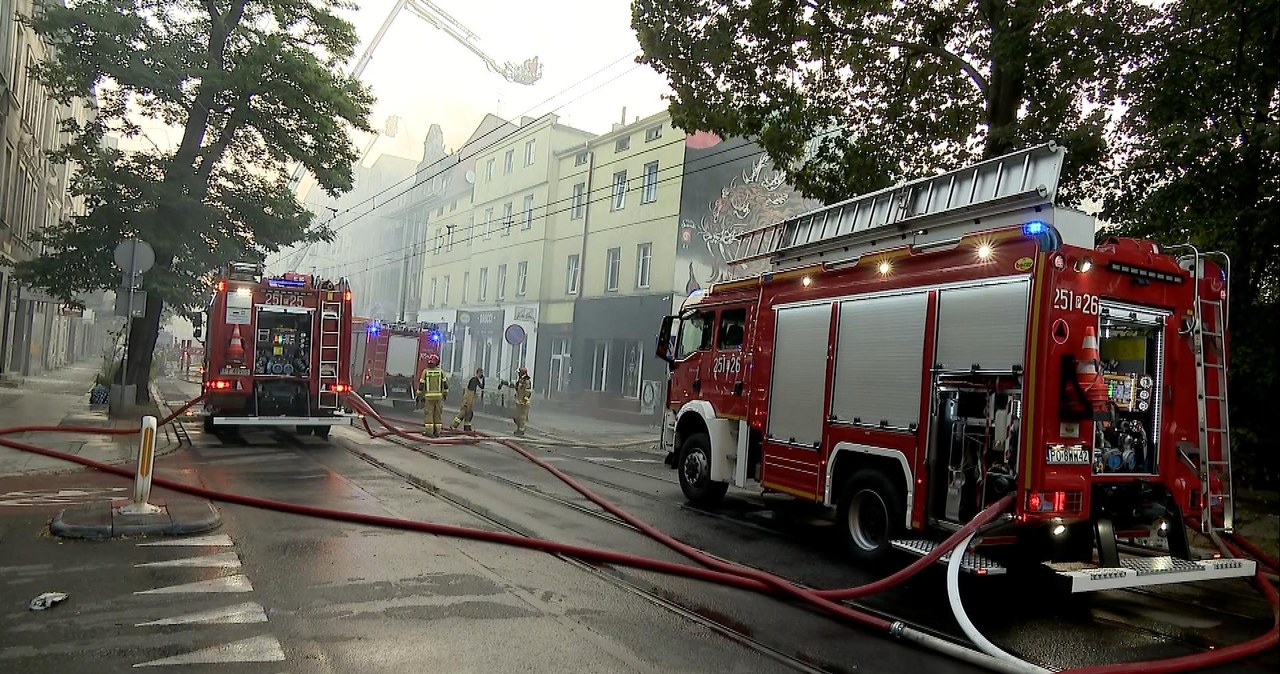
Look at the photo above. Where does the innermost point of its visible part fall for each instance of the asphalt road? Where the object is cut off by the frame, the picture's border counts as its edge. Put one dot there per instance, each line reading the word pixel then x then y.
pixel 281 593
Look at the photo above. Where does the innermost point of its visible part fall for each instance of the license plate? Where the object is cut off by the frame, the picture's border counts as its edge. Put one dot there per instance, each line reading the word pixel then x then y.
pixel 1068 455
pixel 397 389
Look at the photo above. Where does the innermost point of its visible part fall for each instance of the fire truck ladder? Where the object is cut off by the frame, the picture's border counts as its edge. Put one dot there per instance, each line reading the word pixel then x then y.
pixel 1208 339
pixel 330 353
pixel 928 209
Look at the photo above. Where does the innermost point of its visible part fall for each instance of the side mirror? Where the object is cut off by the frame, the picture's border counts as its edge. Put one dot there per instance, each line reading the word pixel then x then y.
pixel 198 332
pixel 663 347
pixel 197 322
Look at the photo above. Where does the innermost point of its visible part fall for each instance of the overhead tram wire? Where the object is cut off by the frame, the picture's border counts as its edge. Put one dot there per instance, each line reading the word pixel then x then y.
pixel 495 143
pixel 499 141
pixel 606 197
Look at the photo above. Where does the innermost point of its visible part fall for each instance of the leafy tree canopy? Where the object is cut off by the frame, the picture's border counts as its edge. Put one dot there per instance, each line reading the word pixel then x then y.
pixel 1199 160
pixel 253 85
pixel 854 94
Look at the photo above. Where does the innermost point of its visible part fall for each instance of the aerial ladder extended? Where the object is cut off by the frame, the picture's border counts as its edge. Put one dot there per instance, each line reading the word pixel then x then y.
pixel 526 72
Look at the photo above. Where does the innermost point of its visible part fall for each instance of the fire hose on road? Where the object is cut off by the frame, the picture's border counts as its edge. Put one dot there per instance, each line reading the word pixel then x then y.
pixel 716 570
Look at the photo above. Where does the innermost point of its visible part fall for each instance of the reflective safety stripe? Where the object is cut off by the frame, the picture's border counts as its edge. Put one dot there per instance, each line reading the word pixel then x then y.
pixel 431 383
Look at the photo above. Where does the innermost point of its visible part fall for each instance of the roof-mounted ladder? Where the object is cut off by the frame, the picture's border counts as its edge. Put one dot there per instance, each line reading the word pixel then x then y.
pixel 946 204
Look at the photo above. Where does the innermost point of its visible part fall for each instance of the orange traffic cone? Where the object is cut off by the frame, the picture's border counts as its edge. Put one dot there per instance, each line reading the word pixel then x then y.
pixel 1095 387
pixel 235 350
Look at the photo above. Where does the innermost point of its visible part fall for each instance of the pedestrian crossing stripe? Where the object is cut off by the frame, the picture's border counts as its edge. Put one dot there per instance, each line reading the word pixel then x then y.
pixel 255 649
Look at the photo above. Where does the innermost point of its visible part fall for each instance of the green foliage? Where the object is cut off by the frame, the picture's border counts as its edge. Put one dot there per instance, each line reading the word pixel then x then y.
pixel 1200 162
pixel 253 84
pixel 855 94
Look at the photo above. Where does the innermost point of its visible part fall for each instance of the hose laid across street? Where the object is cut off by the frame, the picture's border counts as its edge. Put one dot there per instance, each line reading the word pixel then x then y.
pixel 717 571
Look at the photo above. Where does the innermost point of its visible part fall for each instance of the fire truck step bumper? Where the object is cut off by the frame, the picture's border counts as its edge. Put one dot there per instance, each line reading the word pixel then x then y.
pixel 337 420
pixel 1143 571
pixel 979 565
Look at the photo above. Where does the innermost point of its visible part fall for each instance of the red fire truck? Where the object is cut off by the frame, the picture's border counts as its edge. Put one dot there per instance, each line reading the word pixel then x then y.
pixel 278 351
pixel 393 357
pixel 915 354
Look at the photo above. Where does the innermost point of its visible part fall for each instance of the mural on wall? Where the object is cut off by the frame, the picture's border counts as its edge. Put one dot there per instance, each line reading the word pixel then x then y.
pixel 729 187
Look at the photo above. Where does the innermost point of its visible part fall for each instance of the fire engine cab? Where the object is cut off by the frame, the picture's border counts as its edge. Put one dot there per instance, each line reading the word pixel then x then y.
pixel 277 352
pixel 915 354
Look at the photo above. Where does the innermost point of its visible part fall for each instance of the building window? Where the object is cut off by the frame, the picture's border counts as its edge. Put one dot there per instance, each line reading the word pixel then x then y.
pixel 445 299
pixel 580 159
pixel 527 221
pixel 622 144
pixel 579 201
pixel 488 222
pixel 502 282
pixel 571 277
pixel 650 193
pixel 506 218
pixel 449 237
pixel 530 151
pixel 432 295
pixel 644 259
pixel 522 278
pixel 600 366
pixel 619 191
pixel 484 284
pixel 652 133
pixel 439 240
pixel 453 206
pixel 612 268
pixel 509 163
pixel 466 285
pixel 488 170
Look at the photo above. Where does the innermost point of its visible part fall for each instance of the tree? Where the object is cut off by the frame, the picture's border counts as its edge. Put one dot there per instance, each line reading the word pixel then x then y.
pixel 253 84
pixel 892 89
pixel 1199 161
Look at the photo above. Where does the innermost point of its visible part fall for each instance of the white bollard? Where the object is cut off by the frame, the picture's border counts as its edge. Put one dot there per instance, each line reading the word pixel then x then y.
pixel 142 476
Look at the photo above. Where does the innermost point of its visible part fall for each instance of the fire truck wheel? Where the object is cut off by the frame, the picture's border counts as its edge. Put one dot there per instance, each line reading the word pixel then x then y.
pixel 870 515
pixel 695 472
pixel 303 430
pixel 321 432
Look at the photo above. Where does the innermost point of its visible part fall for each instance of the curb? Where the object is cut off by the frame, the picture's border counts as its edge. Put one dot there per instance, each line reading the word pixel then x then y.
pixel 100 521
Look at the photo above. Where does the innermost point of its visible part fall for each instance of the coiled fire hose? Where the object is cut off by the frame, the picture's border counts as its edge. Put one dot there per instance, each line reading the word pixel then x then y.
pixel 717 571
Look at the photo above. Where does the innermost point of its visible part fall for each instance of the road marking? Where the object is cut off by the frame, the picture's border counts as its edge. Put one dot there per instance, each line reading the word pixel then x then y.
pixel 220 560
pixel 46 497
pixel 256 649
pixel 614 459
pixel 216 540
pixel 236 583
pixel 239 614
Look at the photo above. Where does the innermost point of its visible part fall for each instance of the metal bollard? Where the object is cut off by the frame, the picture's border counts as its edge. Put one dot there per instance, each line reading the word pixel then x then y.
pixel 142 476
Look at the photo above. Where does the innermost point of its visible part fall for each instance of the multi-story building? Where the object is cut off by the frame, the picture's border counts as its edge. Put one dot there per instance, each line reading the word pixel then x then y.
pixel 626 196
pixel 567 250
pixel 37 333
pixel 489 258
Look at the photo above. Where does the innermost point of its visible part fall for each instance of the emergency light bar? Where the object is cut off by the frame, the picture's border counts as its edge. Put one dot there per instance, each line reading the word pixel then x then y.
pixel 1144 273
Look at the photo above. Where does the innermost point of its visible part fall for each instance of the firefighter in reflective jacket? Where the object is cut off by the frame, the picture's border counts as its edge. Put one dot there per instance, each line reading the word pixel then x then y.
pixel 467 412
pixel 433 389
pixel 524 396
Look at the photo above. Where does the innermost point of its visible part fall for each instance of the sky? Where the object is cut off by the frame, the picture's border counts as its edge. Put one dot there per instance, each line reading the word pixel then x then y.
pixel 422 75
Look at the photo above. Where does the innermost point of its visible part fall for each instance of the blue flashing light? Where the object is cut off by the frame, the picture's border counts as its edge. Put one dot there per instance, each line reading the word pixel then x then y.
pixel 435 337
pixel 372 329
pixel 1034 228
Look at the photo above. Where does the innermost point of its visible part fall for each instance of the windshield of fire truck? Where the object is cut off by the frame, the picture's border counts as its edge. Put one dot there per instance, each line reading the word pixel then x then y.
pixel 695 333
pixel 283 344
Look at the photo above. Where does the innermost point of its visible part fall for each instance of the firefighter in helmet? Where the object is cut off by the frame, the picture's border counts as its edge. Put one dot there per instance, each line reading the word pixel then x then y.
pixel 433 389
pixel 467 412
pixel 524 396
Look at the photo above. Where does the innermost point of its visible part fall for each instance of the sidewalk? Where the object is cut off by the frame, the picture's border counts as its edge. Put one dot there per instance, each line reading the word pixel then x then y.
pixel 61 398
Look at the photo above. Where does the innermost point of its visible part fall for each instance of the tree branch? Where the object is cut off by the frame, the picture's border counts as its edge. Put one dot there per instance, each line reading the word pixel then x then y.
pixel 920 47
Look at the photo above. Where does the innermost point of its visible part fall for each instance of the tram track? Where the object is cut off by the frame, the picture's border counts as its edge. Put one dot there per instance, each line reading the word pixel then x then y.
pixel 1101 617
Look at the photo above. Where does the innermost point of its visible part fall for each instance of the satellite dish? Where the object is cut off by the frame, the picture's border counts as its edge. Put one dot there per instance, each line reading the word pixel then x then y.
pixel 471 177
